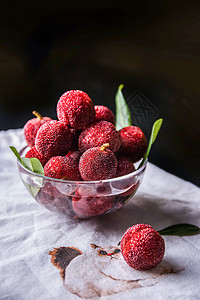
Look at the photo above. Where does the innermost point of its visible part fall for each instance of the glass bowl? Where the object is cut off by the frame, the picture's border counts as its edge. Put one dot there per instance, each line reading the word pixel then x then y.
pixel 81 199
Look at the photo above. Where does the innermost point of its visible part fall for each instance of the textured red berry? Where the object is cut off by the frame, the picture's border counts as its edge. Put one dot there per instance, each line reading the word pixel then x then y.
pixel 53 139
pixel 133 142
pixel 142 247
pixel 62 167
pixel 97 163
pixel 74 155
pixel 91 206
pixel 75 108
pixel 98 134
pixel 124 166
pixel 31 128
pixel 34 153
pixel 103 113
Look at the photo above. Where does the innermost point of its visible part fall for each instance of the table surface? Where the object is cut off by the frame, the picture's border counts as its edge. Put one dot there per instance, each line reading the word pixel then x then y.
pixel 29 232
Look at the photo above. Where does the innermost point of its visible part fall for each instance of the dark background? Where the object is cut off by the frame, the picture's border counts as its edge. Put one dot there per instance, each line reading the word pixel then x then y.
pixel 152 47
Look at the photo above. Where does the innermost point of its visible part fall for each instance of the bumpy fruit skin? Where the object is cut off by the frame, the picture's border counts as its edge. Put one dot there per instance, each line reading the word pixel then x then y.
pixel 53 139
pixel 103 113
pixel 124 166
pixel 34 153
pixel 97 164
pixel 142 247
pixel 98 134
pixel 133 142
pixel 91 206
pixel 62 167
pixel 75 155
pixel 76 109
pixel 31 128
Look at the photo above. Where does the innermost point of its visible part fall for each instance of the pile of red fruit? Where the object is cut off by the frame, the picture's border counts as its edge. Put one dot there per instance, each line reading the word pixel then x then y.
pixel 83 144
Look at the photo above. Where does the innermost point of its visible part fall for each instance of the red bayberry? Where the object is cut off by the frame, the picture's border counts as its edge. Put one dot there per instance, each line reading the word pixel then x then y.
pixel 91 206
pixel 75 108
pixel 53 139
pixel 54 202
pixel 98 163
pixel 74 155
pixel 124 166
pixel 32 126
pixel 133 142
pixel 50 189
pixel 142 247
pixel 103 113
pixel 62 167
pixel 98 134
pixel 34 153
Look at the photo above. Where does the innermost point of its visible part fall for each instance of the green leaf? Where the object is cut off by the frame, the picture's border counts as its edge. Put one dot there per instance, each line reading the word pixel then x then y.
pixel 180 230
pixel 33 164
pixel 37 166
pixel 154 132
pixel 123 116
pixel 32 189
pixel 27 163
pixel 14 150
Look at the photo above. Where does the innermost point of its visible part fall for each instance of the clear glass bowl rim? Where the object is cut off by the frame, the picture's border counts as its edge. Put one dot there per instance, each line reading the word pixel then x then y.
pixel 121 178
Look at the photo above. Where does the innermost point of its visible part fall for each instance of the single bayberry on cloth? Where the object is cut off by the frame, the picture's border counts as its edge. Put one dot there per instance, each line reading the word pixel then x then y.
pixel 98 163
pixel 76 109
pixel 32 126
pixel 103 113
pixel 142 247
pixel 97 134
pixel 53 138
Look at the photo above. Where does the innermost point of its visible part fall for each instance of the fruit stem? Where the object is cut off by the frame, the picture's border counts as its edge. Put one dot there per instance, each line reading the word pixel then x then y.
pixel 37 114
pixel 104 146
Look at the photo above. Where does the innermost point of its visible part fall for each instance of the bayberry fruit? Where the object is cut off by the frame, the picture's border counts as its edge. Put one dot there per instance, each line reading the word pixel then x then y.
pixel 62 167
pixel 32 126
pixel 34 153
pixel 75 155
pixel 98 134
pixel 75 108
pixel 103 113
pixel 133 142
pixel 98 163
pixel 53 139
pixel 91 206
pixel 142 247
pixel 124 166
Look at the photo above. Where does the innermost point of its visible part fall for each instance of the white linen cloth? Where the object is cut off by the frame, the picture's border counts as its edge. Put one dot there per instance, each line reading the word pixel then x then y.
pixel 28 232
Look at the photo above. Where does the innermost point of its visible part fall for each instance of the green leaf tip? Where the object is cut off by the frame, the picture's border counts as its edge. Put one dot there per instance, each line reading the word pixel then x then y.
pixel 14 150
pixel 180 230
pixel 154 132
pixel 123 116
pixel 32 164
